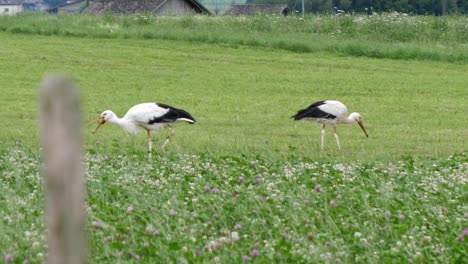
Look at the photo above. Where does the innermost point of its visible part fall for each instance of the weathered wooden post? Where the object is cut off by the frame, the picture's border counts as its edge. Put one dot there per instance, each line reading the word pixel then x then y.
pixel 63 171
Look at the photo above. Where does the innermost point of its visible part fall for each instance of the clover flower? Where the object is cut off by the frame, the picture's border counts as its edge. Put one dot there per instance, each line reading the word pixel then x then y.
pixel 148 229
pixel 97 224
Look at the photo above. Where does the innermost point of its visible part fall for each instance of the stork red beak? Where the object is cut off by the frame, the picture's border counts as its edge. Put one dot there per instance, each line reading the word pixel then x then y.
pixel 93 121
pixel 101 122
pixel 362 126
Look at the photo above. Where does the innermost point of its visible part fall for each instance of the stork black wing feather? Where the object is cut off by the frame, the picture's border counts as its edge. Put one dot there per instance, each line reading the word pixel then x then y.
pixel 313 111
pixel 171 116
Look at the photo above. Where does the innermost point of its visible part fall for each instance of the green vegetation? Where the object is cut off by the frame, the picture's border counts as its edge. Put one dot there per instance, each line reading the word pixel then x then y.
pixel 393 36
pixel 246 182
pixel 242 97
pixel 180 208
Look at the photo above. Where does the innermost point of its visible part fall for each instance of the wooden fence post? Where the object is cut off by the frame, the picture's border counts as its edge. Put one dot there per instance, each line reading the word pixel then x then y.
pixel 63 171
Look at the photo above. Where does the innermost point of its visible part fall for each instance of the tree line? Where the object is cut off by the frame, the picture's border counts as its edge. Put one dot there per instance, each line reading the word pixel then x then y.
pixel 420 7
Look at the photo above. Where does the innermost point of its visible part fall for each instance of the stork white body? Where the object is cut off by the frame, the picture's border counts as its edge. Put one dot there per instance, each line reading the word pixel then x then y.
pixel 329 112
pixel 149 116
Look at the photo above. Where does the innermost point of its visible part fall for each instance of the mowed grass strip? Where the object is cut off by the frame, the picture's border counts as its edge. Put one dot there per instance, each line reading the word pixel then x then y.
pixel 241 97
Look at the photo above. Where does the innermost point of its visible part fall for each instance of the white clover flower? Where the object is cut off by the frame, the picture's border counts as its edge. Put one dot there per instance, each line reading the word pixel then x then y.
pixel 364 242
pixel 235 236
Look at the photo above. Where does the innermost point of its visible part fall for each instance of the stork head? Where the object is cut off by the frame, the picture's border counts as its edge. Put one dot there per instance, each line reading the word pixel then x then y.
pixel 103 118
pixel 357 117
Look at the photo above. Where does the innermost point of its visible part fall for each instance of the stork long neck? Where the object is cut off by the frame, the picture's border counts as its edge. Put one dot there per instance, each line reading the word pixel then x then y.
pixel 123 123
pixel 349 119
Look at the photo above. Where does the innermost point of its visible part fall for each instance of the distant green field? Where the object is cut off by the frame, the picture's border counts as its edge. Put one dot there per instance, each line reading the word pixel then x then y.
pixel 242 97
pixel 246 183
pixel 392 36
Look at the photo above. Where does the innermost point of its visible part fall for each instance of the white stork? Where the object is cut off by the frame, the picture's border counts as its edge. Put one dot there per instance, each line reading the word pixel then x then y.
pixel 329 112
pixel 150 116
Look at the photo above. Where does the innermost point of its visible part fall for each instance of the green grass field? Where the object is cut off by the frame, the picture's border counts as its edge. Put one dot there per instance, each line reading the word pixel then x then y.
pixel 241 184
pixel 241 97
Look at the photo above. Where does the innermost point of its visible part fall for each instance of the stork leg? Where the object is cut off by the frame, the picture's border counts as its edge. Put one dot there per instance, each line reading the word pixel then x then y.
pixel 167 139
pixel 336 137
pixel 323 136
pixel 150 141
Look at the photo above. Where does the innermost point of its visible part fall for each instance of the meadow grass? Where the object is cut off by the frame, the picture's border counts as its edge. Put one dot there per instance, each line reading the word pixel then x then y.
pixel 241 97
pixel 179 208
pixel 394 36
pixel 246 183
